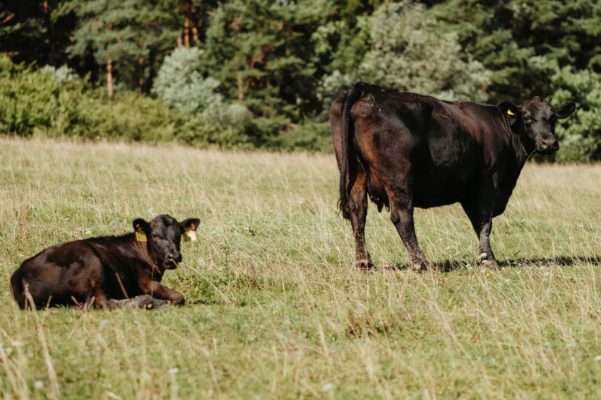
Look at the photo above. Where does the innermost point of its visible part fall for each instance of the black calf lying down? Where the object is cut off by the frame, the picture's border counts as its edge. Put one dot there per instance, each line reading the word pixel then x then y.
pixel 101 271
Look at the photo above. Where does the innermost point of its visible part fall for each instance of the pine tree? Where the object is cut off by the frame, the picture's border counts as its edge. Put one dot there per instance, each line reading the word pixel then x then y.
pixel 127 38
pixel 34 31
pixel 262 54
pixel 181 84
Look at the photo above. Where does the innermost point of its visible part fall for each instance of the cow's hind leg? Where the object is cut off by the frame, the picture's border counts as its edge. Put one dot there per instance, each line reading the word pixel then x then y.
pixel 401 215
pixel 356 211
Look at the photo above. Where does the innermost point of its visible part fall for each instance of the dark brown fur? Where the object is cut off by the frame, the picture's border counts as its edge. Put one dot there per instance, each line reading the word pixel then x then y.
pixel 406 150
pixel 93 271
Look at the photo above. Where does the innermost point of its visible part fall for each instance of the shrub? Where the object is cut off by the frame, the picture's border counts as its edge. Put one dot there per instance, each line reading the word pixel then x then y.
pixel 310 135
pixel 181 84
pixel 128 116
pixel 200 132
pixel 33 100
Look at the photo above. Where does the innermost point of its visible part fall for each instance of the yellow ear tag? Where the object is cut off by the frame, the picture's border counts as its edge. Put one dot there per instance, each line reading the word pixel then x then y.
pixel 509 112
pixel 140 235
pixel 189 235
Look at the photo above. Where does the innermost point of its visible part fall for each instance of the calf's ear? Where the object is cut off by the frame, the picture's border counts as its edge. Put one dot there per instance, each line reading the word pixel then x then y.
pixel 190 224
pixel 189 228
pixel 565 110
pixel 141 229
pixel 140 225
pixel 510 111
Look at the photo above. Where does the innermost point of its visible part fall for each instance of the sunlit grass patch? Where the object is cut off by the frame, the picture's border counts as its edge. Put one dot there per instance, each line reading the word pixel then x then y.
pixel 275 308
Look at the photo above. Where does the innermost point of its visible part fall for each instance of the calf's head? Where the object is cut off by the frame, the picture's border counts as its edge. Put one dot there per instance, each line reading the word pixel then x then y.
pixel 164 234
pixel 534 120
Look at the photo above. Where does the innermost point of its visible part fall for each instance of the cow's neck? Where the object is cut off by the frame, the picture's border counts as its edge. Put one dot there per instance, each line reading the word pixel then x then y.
pixel 141 248
pixel 520 147
pixel 518 152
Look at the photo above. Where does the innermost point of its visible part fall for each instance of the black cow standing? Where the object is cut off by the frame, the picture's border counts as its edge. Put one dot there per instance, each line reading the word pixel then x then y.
pixel 98 271
pixel 406 150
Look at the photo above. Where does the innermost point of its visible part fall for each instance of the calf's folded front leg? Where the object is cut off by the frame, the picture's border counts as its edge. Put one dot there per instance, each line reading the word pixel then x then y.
pixel 162 292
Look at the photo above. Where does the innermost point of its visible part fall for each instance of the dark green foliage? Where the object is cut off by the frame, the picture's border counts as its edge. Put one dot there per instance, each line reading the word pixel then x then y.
pixel 262 73
pixel 129 116
pixel 200 132
pixel 505 35
pixel 181 84
pixel 36 102
pixel 409 51
pixel 35 31
pixel 262 53
pixel 39 102
pixel 310 135
pixel 30 100
pixel 134 35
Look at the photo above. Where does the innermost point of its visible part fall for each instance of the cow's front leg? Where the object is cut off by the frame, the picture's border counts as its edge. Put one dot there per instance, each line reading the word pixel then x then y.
pixel 481 219
pixel 401 215
pixel 486 256
pixel 162 292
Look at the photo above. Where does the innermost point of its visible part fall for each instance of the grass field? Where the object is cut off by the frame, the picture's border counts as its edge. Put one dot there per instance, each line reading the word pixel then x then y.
pixel 275 308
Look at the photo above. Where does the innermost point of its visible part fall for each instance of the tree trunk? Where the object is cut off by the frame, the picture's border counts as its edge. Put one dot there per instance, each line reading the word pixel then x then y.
pixel 151 71
pixel 195 35
pixel 186 32
pixel 109 78
pixel 50 32
pixel 240 86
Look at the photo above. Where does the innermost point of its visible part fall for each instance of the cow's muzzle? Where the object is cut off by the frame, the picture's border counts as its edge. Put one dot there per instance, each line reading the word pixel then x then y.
pixel 549 146
pixel 172 261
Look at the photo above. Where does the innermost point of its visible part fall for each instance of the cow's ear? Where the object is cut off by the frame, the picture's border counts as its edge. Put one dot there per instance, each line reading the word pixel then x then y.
pixel 510 111
pixel 189 227
pixel 190 224
pixel 565 110
pixel 140 225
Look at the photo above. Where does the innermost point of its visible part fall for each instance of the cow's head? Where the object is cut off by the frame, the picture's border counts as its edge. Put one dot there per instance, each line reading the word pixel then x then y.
pixel 534 120
pixel 163 234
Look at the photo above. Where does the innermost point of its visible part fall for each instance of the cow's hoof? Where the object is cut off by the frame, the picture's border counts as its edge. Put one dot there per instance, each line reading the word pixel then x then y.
pixel 419 266
pixel 488 262
pixel 365 266
pixel 366 269
pixel 178 301
pixel 392 267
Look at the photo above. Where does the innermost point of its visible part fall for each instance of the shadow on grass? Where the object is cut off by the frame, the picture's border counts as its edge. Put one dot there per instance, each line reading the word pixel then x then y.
pixel 563 261
pixel 204 302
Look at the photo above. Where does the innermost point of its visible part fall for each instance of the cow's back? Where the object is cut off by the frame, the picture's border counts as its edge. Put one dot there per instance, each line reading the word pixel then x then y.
pixel 406 138
pixel 57 275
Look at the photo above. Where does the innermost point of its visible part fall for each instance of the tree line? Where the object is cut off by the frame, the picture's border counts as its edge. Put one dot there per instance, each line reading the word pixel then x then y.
pixel 262 73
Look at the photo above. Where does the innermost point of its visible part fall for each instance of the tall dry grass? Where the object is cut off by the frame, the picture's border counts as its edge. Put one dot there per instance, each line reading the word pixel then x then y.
pixel 275 308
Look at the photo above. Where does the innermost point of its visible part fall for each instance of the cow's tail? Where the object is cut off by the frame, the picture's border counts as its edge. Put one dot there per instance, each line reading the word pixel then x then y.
pixel 18 287
pixel 347 156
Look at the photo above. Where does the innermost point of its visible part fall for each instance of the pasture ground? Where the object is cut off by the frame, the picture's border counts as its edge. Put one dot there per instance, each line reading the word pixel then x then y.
pixel 275 308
